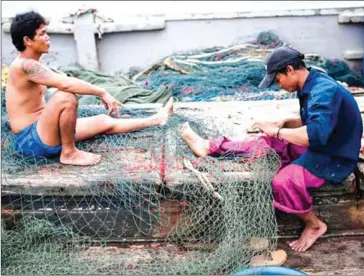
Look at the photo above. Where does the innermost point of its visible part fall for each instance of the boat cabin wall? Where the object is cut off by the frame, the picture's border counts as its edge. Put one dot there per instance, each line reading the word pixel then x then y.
pixel 120 49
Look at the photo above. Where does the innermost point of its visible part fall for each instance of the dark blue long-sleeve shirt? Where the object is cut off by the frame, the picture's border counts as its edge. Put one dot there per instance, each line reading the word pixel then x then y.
pixel 334 127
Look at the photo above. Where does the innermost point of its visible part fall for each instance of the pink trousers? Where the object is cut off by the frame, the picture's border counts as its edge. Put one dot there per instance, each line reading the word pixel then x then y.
pixel 290 184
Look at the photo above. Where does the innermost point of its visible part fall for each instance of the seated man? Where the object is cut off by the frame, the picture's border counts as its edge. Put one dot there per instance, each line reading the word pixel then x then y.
pixel 47 129
pixel 323 144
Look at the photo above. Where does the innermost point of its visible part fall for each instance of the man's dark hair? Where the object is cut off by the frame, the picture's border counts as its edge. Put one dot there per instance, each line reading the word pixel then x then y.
pixel 296 64
pixel 25 24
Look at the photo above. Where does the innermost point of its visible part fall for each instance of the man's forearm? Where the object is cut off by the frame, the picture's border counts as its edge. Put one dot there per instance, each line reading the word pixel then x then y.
pixel 292 123
pixel 81 87
pixel 297 136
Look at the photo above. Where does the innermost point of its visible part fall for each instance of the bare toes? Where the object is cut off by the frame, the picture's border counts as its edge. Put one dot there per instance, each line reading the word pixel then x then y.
pixel 296 246
pixel 292 243
pixel 185 127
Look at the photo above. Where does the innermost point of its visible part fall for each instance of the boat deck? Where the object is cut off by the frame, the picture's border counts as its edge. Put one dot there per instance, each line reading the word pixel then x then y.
pixel 41 190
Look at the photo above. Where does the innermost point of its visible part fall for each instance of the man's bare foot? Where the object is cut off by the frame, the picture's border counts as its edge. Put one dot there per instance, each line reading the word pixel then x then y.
pixel 308 237
pixel 199 146
pixel 79 158
pixel 161 118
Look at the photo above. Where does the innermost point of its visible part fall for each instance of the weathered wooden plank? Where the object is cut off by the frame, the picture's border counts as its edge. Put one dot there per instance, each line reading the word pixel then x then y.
pixel 170 151
pixel 170 214
pixel 236 117
pixel 328 256
pixel 180 179
pixel 152 168
pixel 125 165
pixel 226 106
pixel 340 217
pixel 120 219
pixel 177 175
pixel 125 218
pixel 188 178
pixel 128 165
pixel 334 193
pixel 335 255
pixel 223 107
pixel 94 224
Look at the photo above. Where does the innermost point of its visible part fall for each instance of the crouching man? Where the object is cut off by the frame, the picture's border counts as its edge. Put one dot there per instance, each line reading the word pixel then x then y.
pixel 321 145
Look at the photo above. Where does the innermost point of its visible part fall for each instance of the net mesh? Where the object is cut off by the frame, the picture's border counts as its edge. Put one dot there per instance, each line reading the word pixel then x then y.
pixel 151 206
pixel 232 73
pixel 143 210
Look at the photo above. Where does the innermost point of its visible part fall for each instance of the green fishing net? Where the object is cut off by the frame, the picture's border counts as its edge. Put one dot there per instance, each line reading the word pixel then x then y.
pixel 150 207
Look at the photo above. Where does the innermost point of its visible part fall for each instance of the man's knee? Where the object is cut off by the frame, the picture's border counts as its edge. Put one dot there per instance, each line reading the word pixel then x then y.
pixel 280 181
pixel 65 98
pixel 107 121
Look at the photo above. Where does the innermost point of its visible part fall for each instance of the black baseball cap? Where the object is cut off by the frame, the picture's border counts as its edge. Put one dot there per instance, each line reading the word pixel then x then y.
pixel 277 59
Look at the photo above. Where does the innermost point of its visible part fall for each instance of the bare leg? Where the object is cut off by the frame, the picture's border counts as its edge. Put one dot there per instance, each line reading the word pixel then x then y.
pixel 56 126
pixel 161 118
pixel 314 229
pixel 102 124
pixel 199 146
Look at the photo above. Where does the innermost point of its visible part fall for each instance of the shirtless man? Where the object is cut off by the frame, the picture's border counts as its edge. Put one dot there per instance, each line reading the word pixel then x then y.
pixel 48 129
pixel 321 145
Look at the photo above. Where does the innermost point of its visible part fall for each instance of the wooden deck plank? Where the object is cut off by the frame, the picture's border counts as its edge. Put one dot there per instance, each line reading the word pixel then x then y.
pixel 129 165
pixel 58 179
pixel 110 219
pixel 328 256
pixel 120 218
pixel 156 168
pixel 340 217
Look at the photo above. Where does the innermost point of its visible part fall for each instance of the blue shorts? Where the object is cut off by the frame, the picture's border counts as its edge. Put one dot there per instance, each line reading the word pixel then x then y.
pixel 28 142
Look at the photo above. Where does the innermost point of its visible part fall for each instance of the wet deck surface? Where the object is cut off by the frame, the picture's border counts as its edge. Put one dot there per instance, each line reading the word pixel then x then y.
pixel 328 256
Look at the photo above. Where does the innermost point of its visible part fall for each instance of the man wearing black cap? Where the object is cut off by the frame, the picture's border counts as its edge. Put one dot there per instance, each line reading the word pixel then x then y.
pixel 321 145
